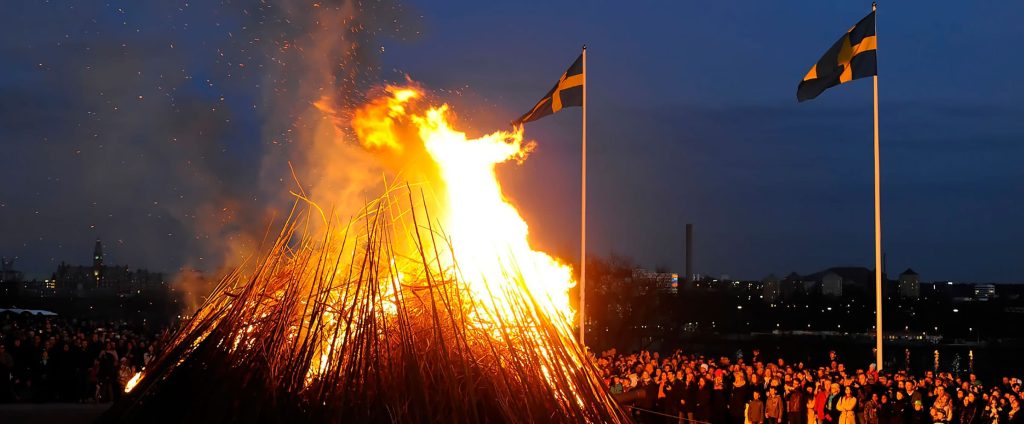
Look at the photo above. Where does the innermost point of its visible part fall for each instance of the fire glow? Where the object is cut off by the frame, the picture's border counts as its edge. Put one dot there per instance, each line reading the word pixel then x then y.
pixel 430 300
pixel 488 234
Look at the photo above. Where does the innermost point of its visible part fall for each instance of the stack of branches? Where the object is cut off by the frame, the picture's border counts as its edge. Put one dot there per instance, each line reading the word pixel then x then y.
pixel 348 324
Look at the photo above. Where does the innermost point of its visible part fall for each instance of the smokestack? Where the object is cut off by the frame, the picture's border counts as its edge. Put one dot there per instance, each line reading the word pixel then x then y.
pixel 689 254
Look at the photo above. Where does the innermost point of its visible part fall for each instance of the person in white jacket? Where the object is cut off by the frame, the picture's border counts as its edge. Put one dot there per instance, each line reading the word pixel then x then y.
pixel 846 407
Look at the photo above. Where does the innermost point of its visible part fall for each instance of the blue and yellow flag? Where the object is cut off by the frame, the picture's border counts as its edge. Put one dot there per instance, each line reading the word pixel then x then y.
pixel 568 91
pixel 850 58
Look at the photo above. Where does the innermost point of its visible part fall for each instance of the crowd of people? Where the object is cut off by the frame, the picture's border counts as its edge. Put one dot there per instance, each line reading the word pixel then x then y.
pixel 695 389
pixel 52 359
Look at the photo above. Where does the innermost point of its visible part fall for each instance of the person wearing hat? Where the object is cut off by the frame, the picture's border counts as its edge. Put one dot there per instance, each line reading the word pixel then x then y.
pixel 873 373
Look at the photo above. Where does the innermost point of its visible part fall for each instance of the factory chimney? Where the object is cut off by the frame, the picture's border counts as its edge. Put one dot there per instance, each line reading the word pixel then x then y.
pixel 689 255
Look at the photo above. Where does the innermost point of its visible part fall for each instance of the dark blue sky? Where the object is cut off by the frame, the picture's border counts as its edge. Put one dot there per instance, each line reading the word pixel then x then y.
pixel 125 121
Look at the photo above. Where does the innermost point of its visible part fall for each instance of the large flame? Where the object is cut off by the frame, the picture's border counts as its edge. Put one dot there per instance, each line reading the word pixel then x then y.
pixel 439 293
pixel 488 235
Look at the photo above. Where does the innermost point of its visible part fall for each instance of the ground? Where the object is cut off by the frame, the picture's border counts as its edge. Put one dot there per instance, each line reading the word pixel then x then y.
pixel 65 413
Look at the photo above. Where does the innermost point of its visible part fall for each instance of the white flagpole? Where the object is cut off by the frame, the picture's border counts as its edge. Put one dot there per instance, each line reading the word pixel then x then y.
pixel 583 212
pixel 878 222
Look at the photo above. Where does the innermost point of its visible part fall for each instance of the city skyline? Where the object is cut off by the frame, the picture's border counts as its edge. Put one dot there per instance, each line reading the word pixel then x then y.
pixel 891 274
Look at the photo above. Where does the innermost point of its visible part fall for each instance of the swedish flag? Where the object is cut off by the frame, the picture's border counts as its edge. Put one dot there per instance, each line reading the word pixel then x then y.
pixel 852 57
pixel 568 91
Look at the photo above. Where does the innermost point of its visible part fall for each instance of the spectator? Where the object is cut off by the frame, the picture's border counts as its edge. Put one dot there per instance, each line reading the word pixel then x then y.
pixel 688 403
pixel 821 397
pixel 125 373
pixel 1014 416
pixel 719 401
pixel 846 407
pixel 108 373
pixel 669 395
pixel 796 406
pixel 739 398
pixel 870 409
pixel 755 409
pixel 702 411
pixel 832 411
pixel 616 386
pixel 717 390
pixel 773 407
pixel 94 381
pixel 812 416
pixel 886 413
pixel 918 415
pixel 6 370
pixel 969 413
pixel 52 359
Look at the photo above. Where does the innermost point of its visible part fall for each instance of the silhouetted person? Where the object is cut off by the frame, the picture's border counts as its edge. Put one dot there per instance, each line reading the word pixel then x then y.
pixel 738 399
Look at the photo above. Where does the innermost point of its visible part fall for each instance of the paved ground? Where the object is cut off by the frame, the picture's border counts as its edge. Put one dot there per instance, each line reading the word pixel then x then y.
pixel 39 413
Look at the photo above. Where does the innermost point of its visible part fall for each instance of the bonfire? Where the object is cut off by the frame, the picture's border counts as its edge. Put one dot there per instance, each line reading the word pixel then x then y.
pixel 429 305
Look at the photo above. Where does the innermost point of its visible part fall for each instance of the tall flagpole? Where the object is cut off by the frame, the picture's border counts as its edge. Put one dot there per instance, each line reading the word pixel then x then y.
pixel 583 211
pixel 878 220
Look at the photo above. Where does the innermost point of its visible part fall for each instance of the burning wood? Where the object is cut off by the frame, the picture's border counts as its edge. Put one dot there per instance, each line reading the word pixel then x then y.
pixel 395 316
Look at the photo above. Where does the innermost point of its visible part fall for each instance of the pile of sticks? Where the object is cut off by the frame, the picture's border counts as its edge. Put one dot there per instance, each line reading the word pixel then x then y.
pixel 364 322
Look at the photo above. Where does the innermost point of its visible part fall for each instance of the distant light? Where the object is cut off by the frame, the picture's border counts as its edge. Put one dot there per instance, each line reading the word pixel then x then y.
pixel 829 308
pixel 956 310
pixel 739 306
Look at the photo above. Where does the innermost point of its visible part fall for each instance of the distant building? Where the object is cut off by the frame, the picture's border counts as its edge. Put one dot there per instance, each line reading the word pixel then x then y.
pixel 984 292
pixel 910 285
pixel 36 288
pixel 7 272
pixel 10 278
pixel 664 282
pixel 771 288
pixel 838 281
pixel 103 279
pixel 832 284
pixel 794 284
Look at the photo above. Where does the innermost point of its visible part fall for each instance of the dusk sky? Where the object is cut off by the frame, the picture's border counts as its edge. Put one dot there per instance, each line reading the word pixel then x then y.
pixel 135 123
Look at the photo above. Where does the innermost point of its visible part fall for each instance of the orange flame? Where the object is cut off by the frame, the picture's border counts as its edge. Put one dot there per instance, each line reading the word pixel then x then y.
pixel 488 234
pixel 374 124
pixel 131 383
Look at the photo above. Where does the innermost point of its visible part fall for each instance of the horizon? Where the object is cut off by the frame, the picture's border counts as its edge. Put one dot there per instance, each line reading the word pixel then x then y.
pixel 715 276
